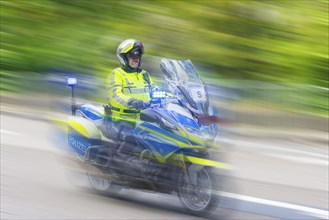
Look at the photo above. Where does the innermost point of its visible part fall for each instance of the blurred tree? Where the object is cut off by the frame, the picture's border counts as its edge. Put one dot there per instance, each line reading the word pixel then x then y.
pixel 281 41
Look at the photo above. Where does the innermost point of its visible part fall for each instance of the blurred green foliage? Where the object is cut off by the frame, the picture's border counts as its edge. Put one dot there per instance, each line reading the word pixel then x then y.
pixel 280 41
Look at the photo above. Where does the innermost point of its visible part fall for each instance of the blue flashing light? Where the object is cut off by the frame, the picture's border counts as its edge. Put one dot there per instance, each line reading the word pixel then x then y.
pixel 71 81
pixel 158 94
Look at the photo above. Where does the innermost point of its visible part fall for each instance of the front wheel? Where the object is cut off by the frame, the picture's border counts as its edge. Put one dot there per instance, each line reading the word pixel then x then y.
pixel 101 184
pixel 199 199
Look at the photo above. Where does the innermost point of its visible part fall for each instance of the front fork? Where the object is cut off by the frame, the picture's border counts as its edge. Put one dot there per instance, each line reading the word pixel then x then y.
pixel 191 172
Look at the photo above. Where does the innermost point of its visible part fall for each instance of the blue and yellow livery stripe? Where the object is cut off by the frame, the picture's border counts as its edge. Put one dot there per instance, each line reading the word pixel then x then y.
pixel 78 127
pixel 196 140
pixel 206 162
pixel 201 161
pixel 84 127
pixel 167 135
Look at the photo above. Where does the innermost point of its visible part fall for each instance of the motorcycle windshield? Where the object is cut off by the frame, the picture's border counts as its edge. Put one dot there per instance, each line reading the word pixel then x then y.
pixel 180 71
pixel 182 77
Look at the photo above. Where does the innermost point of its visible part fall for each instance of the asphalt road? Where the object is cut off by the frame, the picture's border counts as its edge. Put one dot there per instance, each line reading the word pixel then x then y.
pixel 271 180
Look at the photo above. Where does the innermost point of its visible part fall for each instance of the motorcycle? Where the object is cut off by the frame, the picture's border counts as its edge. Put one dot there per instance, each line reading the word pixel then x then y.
pixel 175 132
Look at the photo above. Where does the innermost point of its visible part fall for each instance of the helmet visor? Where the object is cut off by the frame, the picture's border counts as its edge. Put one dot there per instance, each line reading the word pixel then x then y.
pixel 134 55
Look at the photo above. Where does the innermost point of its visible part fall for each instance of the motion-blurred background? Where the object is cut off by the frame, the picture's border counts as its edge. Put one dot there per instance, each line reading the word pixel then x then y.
pixel 265 62
pixel 267 54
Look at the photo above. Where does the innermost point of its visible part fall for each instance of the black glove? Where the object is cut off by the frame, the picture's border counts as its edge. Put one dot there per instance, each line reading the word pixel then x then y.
pixel 146 105
pixel 138 104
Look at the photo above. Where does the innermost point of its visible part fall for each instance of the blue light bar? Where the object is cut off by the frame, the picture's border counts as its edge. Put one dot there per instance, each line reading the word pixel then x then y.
pixel 72 81
pixel 158 94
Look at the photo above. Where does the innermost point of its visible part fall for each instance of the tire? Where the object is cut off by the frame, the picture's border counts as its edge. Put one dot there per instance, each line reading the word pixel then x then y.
pixel 100 184
pixel 202 199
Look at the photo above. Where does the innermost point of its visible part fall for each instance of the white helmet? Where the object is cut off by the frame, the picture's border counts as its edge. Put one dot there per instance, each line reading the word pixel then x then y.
pixel 129 46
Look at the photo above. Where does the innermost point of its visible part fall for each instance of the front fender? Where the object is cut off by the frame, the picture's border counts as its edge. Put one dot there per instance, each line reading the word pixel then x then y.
pixel 206 162
pixel 200 163
pixel 197 164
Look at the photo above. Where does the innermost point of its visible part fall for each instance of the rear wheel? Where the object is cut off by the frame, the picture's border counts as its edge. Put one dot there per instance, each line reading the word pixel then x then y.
pixel 198 199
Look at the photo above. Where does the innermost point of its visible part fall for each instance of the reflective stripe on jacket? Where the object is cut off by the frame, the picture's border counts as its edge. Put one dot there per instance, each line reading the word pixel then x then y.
pixel 124 86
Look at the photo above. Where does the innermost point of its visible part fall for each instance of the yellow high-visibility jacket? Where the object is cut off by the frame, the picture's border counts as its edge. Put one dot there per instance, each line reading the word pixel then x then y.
pixel 124 86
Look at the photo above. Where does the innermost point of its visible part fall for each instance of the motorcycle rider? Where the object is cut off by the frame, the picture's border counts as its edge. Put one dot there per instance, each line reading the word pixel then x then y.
pixel 129 92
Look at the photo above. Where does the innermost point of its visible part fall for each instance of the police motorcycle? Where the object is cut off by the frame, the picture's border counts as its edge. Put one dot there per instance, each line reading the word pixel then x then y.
pixel 175 132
